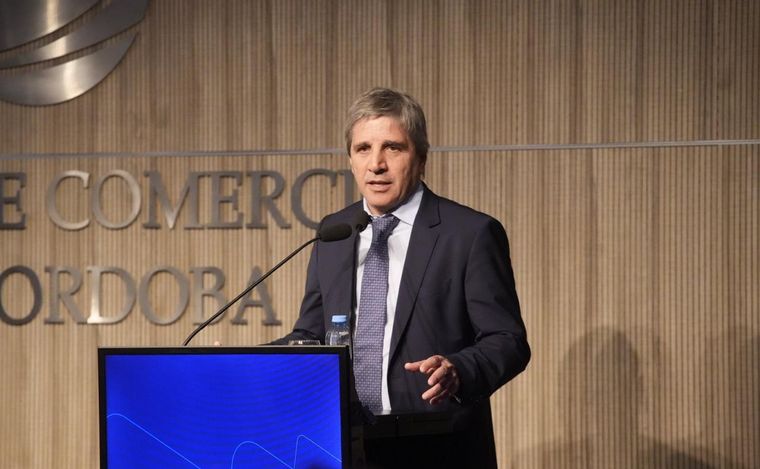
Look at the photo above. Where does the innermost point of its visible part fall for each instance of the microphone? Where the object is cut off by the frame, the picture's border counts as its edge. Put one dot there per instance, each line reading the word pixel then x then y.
pixel 327 234
pixel 334 232
pixel 360 221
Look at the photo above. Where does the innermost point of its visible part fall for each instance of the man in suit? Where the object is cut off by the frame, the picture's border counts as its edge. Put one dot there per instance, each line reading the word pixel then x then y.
pixel 430 289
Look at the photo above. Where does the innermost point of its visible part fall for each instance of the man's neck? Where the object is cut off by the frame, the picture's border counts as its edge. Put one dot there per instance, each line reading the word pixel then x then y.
pixel 418 189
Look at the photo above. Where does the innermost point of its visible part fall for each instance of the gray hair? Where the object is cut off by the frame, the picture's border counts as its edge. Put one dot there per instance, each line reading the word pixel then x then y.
pixel 379 102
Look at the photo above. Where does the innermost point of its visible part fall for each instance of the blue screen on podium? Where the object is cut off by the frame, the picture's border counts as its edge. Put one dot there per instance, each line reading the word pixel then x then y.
pixel 262 407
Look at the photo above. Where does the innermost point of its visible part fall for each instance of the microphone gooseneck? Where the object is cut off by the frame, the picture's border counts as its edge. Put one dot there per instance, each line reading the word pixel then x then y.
pixel 326 234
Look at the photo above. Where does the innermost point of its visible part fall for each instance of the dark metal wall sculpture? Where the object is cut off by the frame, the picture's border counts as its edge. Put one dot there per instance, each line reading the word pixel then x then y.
pixel 23 22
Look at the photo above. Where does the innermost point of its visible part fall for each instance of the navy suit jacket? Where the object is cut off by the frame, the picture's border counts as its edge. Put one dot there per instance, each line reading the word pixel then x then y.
pixel 457 298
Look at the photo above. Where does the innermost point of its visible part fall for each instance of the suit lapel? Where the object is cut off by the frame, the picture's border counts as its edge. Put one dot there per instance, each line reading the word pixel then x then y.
pixel 344 257
pixel 421 246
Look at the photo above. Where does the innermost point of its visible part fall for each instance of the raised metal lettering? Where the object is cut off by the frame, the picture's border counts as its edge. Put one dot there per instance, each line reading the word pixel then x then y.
pixel 134 189
pixel 184 295
pixel 348 188
pixel 259 200
pixel 66 296
pixel 264 302
pixel 217 199
pixel 52 210
pixel 297 189
pixel 36 289
pixel 200 291
pixel 14 200
pixel 96 315
pixel 158 194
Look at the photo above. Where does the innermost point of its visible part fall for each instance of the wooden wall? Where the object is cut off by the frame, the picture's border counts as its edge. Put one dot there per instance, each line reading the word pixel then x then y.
pixel 617 141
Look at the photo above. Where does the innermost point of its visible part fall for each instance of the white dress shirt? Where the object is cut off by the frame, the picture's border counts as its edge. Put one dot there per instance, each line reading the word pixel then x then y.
pixel 398 244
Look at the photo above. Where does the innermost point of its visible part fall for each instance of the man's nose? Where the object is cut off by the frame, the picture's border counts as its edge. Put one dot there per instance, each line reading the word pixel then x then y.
pixel 377 163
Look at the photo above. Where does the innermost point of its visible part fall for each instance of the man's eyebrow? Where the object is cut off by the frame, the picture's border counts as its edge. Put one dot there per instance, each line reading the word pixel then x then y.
pixel 396 143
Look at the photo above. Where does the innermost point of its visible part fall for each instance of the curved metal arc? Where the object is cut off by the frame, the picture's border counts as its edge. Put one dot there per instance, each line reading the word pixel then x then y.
pixel 113 19
pixel 66 81
pixel 22 21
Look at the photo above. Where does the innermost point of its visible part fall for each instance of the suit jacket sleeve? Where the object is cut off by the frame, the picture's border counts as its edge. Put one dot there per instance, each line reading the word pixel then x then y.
pixel 500 350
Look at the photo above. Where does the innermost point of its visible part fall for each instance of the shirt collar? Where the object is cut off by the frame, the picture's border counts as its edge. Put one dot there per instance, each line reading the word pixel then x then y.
pixel 407 211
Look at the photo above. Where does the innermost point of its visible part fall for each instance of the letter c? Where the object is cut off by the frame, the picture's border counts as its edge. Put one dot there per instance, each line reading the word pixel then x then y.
pixel 53 213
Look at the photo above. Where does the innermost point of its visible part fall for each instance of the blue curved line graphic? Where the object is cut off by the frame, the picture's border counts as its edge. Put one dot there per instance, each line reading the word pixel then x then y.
pixel 295 455
pixel 240 445
pixel 304 437
pixel 152 436
pixel 243 443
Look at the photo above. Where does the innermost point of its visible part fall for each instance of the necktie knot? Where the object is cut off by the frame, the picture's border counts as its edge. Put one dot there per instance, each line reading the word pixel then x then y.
pixel 382 227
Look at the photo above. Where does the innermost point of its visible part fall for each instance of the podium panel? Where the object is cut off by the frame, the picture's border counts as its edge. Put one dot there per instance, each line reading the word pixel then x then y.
pixel 224 407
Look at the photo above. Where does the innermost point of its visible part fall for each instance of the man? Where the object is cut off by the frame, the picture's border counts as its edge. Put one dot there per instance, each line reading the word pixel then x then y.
pixel 430 285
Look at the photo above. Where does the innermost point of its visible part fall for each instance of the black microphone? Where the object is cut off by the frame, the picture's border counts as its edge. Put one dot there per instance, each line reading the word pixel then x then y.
pixel 334 232
pixel 360 221
pixel 327 234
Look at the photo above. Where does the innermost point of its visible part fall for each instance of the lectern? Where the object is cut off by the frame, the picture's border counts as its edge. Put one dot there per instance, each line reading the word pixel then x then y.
pixel 224 407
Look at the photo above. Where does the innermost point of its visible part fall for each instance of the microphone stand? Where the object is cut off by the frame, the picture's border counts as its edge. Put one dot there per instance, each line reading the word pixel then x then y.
pixel 245 292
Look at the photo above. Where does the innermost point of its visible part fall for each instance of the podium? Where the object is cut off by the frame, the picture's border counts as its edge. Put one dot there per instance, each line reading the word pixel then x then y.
pixel 268 406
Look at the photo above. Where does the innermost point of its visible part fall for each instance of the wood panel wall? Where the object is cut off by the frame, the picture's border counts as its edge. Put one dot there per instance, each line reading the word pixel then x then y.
pixel 637 257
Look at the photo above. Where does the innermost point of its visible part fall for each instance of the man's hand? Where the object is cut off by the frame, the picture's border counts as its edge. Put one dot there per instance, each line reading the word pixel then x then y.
pixel 443 377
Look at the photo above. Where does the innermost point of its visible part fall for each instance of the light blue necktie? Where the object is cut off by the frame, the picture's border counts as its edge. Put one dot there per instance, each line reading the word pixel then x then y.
pixel 370 327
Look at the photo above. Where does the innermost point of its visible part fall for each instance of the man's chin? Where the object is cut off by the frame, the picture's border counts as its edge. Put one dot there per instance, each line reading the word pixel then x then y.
pixel 380 207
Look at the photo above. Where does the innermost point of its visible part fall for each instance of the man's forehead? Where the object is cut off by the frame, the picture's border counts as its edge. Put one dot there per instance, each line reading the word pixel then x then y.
pixel 388 120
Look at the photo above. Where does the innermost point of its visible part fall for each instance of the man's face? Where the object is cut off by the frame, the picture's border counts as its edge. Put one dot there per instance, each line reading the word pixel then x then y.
pixel 383 162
